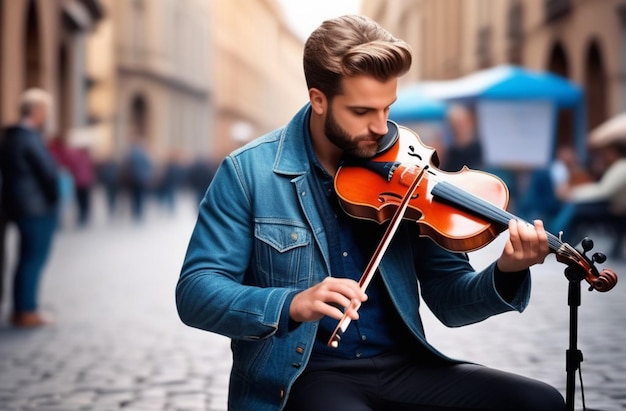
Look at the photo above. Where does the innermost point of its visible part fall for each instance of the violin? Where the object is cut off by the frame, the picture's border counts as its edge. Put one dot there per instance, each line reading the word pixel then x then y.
pixel 461 211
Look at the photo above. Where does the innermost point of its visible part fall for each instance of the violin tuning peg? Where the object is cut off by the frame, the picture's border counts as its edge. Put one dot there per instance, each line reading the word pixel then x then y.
pixel 598 258
pixel 587 244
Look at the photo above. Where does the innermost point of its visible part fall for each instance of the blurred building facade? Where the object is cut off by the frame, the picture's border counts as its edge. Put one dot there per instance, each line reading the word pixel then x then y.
pixel 195 76
pixel 43 44
pixel 150 70
pixel 259 80
pixel 583 40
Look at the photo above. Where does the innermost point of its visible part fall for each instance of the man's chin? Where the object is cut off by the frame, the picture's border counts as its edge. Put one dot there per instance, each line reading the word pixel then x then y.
pixel 364 152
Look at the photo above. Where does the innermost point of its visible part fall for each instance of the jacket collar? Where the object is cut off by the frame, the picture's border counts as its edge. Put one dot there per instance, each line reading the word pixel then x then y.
pixel 292 157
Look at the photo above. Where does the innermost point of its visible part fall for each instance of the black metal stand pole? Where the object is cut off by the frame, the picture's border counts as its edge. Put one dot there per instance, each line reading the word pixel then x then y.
pixel 573 356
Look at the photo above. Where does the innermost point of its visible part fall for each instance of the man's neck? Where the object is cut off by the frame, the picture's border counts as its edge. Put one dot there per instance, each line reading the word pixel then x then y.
pixel 326 152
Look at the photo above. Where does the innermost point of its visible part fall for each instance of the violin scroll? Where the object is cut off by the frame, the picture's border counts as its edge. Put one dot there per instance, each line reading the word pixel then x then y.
pixel 605 280
pixel 578 262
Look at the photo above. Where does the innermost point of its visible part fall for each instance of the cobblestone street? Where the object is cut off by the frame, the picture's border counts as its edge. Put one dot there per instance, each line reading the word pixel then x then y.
pixel 118 343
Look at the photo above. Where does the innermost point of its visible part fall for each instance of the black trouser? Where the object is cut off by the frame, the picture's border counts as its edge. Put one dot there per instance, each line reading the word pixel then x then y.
pixel 397 382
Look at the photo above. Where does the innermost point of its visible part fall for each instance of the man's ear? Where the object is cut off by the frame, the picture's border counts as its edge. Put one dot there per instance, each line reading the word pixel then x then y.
pixel 319 102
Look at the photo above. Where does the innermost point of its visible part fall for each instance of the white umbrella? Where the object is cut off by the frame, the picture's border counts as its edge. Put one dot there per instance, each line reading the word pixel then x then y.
pixel 611 131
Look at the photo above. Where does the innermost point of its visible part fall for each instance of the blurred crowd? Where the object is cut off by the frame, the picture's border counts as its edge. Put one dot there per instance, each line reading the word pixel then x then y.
pixel 573 198
pixel 569 195
pixel 44 178
pixel 142 177
pixel 138 176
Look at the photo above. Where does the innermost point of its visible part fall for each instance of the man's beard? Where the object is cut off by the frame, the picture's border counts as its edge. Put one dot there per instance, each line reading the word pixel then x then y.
pixel 350 145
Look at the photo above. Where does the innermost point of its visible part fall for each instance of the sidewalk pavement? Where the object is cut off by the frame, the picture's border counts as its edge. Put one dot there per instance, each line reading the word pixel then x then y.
pixel 118 343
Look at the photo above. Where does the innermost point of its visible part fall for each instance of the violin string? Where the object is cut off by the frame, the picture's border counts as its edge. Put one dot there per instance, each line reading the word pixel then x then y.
pixel 481 207
pixel 484 209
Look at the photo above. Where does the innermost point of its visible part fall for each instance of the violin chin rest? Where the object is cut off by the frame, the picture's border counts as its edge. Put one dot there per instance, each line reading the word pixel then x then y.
pixel 388 140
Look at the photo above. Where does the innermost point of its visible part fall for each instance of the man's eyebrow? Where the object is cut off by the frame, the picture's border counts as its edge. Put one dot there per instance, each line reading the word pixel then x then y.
pixel 369 108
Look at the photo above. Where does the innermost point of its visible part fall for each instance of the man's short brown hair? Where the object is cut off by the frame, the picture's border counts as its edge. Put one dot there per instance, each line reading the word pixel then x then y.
pixel 352 46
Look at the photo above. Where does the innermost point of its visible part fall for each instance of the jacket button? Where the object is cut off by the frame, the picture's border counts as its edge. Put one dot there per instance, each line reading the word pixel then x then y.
pixel 300 350
pixel 281 394
pixel 294 236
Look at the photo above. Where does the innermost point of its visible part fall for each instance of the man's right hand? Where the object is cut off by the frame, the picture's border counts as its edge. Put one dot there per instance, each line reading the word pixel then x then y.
pixel 324 299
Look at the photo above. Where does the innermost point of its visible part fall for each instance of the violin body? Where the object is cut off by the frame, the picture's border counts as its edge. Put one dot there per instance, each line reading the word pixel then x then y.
pixel 367 194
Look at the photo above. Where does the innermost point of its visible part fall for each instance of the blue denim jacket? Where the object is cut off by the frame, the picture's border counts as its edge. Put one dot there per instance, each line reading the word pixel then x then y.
pixel 259 237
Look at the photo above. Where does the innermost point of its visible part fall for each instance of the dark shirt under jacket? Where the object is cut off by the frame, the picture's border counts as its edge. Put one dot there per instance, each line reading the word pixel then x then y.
pixel 352 242
pixel 30 176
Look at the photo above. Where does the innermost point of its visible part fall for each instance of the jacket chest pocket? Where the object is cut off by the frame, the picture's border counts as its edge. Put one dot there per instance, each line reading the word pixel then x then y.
pixel 283 253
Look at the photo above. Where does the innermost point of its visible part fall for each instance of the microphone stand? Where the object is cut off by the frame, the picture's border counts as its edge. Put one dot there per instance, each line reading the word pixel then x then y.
pixel 573 356
pixel 604 281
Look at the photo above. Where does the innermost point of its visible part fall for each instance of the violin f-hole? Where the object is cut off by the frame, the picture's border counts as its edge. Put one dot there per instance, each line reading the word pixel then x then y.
pixel 383 197
pixel 412 153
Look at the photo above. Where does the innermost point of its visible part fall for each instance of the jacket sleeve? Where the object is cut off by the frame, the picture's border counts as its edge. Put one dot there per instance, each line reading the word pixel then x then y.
pixel 211 293
pixel 456 293
pixel 43 166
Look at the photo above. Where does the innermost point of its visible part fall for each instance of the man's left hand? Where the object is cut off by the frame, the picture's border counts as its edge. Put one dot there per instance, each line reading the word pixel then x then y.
pixel 527 245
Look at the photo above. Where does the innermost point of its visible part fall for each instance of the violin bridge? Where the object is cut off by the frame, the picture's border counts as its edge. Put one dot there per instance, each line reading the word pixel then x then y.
pixel 410 173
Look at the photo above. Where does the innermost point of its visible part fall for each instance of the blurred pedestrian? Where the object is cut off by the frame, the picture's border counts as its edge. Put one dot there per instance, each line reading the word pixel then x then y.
pixel 548 187
pixel 139 169
pixel 567 171
pixel 30 199
pixel 199 176
pixel 2 238
pixel 604 198
pixel 170 180
pixel 108 174
pixel 84 178
pixel 466 149
pixel 60 151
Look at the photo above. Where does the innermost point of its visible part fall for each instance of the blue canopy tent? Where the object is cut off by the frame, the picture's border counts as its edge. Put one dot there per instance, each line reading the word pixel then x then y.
pixel 412 105
pixel 512 83
pixel 422 114
pixel 508 95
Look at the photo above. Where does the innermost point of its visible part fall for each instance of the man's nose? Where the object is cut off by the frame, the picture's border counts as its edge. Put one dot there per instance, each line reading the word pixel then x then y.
pixel 379 124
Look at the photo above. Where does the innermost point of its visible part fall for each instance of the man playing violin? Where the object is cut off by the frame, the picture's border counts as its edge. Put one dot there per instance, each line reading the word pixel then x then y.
pixel 273 261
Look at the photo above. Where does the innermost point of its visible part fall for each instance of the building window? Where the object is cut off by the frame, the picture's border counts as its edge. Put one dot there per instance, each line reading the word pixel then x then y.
pixel 484 47
pixel 32 55
pixel 515 33
pixel 621 12
pixel 138 30
pixel 556 9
